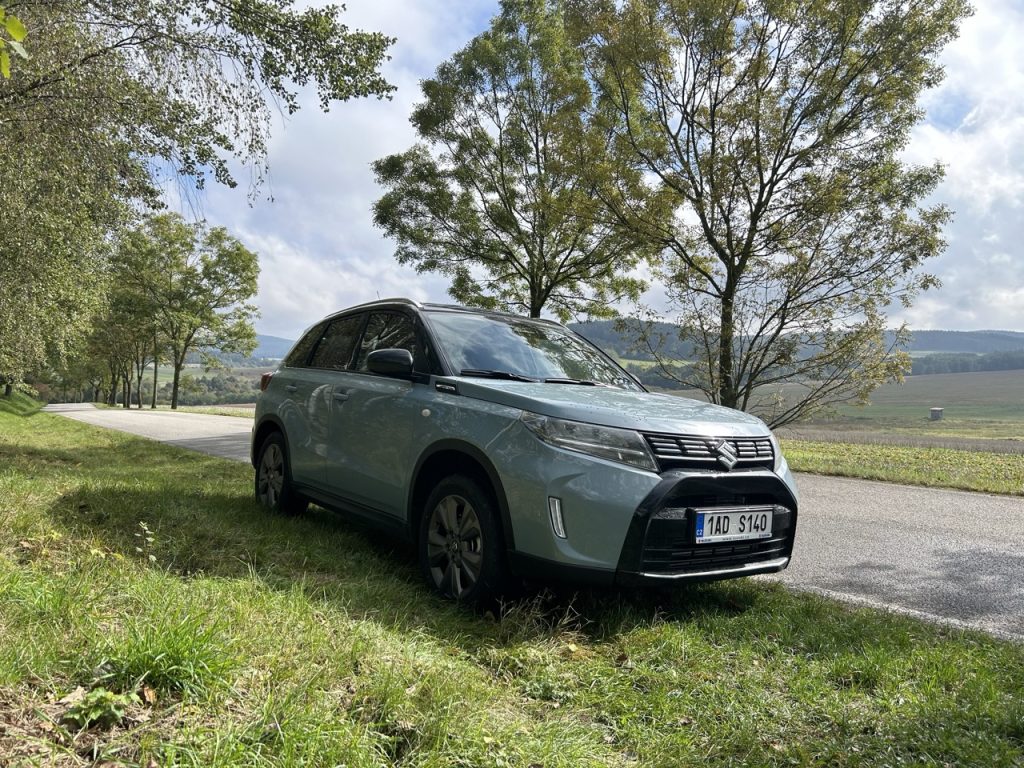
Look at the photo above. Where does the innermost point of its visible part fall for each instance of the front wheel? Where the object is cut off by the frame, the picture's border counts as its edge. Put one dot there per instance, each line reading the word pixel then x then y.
pixel 273 478
pixel 460 547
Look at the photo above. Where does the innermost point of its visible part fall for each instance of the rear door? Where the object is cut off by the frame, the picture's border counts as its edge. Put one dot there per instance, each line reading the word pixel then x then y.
pixel 329 361
pixel 298 389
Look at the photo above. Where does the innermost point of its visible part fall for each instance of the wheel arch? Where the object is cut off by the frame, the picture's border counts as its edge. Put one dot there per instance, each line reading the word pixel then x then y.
pixel 267 425
pixel 449 457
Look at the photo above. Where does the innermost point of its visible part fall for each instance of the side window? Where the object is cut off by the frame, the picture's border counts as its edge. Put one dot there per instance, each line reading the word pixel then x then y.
pixel 386 330
pixel 335 351
pixel 299 355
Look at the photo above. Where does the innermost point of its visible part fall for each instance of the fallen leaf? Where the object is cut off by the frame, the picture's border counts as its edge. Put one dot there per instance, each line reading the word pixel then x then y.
pixel 148 695
pixel 75 697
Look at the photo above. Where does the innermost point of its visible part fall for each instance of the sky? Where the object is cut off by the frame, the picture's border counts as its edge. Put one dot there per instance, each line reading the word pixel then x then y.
pixel 319 251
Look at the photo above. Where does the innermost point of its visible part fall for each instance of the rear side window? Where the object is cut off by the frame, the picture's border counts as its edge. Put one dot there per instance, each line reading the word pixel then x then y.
pixel 387 330
pixel 335 350
pixel 299 355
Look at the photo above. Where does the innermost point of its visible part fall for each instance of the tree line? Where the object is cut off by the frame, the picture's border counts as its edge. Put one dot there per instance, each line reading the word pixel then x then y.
pixel 968 362
pixel 105 108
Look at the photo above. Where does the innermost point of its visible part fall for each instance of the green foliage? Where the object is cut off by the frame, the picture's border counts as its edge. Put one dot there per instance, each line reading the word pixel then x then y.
pixel 18 404
pixel 963 362
pixel 773 133
pixel 502 195
pixel 16 34
pixel 173 652
pixel 188 84
pixel 99 708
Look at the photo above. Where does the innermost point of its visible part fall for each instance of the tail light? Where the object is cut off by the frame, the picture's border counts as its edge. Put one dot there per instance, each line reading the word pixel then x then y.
pixel 265 381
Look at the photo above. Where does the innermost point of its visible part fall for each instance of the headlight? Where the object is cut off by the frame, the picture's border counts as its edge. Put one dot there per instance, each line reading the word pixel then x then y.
pixel 777 450
pixel 622 445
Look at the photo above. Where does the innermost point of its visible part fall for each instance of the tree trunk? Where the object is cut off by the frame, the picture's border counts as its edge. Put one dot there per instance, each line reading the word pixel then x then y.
pixel 726 385
pixel 8 388
pixel 126 391
pixel 139 388
pixel 177 378
pixel 156 370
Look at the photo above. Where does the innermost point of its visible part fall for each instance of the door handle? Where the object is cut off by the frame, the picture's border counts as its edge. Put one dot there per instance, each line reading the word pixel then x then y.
pixel 341 395
pixel 291 388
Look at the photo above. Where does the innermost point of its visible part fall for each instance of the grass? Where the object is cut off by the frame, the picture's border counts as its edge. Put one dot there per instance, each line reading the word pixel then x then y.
pixel 242 410
pixel 266 641
pixel 983 471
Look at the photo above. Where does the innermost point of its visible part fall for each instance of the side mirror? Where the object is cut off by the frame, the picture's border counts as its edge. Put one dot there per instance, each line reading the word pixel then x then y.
pixel 396 363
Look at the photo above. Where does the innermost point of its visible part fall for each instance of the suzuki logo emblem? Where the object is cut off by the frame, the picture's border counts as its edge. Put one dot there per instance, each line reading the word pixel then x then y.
pixel 726 455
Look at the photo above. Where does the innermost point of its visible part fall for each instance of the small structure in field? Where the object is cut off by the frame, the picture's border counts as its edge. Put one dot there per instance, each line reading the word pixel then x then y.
pixel 936 414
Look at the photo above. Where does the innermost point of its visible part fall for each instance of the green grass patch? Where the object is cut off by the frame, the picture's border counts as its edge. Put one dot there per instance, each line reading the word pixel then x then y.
pixel 18 404
pixel 238 638
pixel 938 467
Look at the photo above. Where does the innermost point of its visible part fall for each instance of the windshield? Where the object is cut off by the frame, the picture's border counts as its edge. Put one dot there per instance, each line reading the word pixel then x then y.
pixel 510 347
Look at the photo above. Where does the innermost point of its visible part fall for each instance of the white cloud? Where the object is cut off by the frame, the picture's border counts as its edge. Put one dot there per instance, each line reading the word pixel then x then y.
pixel 975 127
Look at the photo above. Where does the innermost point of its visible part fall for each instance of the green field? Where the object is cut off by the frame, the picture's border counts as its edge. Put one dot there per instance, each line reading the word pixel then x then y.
pixel 982 405
pixel 143 591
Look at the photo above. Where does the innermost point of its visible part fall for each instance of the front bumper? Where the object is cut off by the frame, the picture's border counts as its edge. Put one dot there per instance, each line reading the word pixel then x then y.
pixel 660 543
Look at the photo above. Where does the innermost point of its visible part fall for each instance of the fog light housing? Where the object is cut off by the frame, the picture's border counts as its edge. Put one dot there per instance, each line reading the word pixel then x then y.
pixel 555 514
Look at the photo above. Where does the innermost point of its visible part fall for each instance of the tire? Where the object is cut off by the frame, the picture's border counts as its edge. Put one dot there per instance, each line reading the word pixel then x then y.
pixel 273 484
pixel 461 552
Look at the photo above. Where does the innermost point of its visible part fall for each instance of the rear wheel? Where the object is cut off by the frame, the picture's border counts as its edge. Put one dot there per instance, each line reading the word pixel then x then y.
pixel 273 478
pixel 460 547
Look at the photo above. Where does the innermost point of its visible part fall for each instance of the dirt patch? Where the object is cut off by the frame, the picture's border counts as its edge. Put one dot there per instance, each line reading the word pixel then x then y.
pixel 31 733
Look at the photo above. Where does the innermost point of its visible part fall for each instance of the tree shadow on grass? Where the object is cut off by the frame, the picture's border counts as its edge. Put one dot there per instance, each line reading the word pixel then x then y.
pixel 208 528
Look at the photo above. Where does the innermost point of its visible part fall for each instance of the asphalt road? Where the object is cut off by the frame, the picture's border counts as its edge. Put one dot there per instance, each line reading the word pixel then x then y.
pixel 946 556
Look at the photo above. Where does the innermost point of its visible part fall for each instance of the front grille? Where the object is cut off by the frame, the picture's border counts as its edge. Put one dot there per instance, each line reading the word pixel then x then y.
pixel 697 452
pixel 669 547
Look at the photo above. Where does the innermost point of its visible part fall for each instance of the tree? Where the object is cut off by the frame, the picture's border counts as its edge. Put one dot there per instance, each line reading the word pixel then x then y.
pixel 120 96
pixel 499 194
pixel 197 282
pixel 197 81
pixel 772 131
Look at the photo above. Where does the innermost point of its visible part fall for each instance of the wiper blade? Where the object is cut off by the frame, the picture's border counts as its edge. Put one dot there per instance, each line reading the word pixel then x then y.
pixel 584 382
pixel 489 374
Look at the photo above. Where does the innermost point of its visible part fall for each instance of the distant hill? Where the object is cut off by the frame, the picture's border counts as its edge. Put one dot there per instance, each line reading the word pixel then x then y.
pixel 978 342
pixel 604 334
pixel 272 346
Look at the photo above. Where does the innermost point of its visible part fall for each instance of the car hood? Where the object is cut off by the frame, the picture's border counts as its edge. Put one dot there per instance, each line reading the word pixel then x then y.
pixel 612 407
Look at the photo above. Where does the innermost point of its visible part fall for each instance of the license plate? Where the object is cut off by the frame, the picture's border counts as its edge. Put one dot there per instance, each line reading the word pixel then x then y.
pixel 733 525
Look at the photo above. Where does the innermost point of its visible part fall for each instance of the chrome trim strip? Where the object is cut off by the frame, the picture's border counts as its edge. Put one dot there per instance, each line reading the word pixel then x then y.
pixel 779 562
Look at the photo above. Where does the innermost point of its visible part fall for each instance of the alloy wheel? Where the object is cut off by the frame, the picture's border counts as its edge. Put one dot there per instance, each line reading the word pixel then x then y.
pixel 455 546
pixel 271 477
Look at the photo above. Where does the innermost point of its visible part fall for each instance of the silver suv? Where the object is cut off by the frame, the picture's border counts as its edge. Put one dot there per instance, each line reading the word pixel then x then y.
pixel 508 447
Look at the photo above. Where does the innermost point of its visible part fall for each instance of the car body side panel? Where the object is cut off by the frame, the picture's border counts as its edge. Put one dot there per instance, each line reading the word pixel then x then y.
pixel 299 398
pixel 597 499
pixel 374 422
